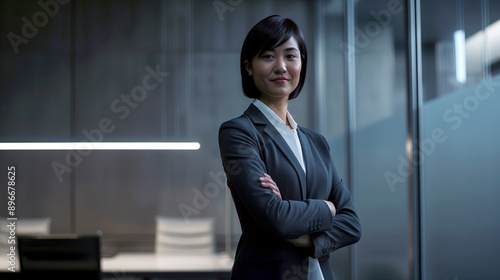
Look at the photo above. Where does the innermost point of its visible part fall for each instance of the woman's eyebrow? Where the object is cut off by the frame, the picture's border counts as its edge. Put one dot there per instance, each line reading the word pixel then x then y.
pixel 286 50
pixel 291 49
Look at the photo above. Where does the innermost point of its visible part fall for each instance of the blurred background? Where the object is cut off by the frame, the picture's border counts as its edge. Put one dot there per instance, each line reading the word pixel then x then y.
pixel 406 92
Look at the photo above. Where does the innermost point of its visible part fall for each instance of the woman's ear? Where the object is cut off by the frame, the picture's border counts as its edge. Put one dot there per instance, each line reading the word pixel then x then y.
pixel 248 67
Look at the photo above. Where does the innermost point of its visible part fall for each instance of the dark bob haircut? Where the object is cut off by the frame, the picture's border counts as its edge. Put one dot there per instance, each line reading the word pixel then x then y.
pixel 268 34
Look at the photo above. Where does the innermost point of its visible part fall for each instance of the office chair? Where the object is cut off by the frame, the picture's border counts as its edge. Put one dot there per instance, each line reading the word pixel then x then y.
pixel 60 257
pixel 178 236
pixel 24 226
pixel 38 226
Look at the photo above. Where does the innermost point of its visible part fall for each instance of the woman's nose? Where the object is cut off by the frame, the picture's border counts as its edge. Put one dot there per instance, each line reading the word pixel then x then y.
pixel 280 66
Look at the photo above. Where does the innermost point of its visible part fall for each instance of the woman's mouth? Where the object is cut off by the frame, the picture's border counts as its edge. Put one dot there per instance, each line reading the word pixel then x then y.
pixel 280 80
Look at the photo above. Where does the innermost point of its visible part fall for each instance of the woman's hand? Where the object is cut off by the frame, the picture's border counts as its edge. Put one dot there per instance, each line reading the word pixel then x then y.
pixel 333 209
pixel 267 182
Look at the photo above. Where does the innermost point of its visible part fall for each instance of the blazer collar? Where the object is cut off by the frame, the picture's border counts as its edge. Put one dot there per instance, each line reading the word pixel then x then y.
pixel 259 119
pixel 256 115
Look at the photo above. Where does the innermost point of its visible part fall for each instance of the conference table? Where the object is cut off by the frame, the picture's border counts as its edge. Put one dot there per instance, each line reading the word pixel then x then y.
pixel 151 265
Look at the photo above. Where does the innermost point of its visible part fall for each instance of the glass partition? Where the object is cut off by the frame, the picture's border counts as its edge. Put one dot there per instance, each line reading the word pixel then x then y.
pixel 460 159
pixel 330 95
pixel 379 146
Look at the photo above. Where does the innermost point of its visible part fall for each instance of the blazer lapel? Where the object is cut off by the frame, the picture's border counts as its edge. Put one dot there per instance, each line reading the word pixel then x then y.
pixel 258 118
pixel 308 158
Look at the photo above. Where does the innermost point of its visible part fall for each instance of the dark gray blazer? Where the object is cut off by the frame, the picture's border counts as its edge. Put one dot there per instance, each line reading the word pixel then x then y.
pixel 249 146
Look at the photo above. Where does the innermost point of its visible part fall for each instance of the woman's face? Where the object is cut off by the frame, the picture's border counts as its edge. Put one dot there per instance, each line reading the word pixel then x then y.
pixel 276 72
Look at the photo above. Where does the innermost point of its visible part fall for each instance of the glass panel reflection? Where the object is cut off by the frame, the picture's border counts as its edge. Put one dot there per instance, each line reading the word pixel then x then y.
pixel 461 99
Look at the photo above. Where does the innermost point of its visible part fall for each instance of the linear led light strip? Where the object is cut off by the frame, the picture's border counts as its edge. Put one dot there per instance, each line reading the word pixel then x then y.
pixel 40 146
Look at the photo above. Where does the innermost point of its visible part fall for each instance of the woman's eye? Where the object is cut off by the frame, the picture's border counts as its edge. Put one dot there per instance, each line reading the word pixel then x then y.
pixel 267 56
pixel 291 56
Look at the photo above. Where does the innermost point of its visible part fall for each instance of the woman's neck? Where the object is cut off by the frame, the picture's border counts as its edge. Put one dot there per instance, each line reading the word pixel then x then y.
pixel 279 107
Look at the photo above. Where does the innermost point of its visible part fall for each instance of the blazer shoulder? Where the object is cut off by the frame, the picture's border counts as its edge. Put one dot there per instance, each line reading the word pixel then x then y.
pixel 248 120
pixel 235 128
pixel 241 122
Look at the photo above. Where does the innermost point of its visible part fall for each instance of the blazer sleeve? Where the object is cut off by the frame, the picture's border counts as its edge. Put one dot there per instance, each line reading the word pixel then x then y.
pixel 241 158
pixel 346 227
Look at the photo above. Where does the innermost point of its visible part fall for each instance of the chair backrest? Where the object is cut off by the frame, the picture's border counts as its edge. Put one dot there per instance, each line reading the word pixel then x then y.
pixel 178 236
pixel 60 256
pixel 22 226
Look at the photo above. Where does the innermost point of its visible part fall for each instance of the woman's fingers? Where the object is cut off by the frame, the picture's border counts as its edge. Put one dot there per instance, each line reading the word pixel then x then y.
pixel 267 182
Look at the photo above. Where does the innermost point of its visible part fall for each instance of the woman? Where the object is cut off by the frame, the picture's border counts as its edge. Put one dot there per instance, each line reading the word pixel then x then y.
pixel 293 207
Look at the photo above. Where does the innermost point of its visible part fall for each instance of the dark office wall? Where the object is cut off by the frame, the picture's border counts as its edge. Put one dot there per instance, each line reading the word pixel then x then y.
pixel 35 106
pixel 35 72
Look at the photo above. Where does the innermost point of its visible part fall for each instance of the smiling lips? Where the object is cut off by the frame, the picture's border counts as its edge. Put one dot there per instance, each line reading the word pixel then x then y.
pixel 280 80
